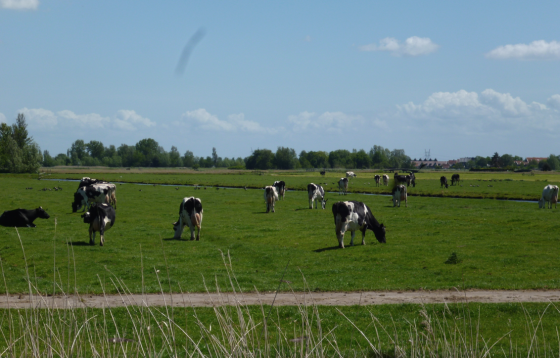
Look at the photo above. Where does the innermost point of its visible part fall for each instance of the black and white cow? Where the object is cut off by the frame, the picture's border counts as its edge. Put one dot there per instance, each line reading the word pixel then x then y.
pixel 322 172
pixel 22 217
pixel 455 179
pixel 343 186
pixel 270 197
pixel 385 179
pixel 100 217
pixel 443 182
pixel 95 193
pixel 280 188
pixel 399 194
pixel 315 192
pixel 355 215
pixel 190 214
pixel 377 180
pixel 350 175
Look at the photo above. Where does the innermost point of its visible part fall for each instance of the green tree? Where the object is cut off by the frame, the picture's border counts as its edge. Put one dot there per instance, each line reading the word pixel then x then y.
pixel 286 158
pixel 553 162
pixel 95 149
pixel 496 160
pixel 506 160
pixel 189 159
pixel 362 159
pixel 260 159
pixel 214 156
pixel 175 158
pixel 341 158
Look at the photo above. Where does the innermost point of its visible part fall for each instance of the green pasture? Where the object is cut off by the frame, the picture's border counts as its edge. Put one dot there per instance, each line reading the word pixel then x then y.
pixel 501 244
pixel 501 185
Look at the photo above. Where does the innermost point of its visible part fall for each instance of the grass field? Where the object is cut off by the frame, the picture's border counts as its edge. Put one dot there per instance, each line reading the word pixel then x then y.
pixel 502 185
pixel 502 244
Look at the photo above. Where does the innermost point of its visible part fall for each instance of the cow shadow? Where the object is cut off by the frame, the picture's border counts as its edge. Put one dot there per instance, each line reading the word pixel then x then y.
pixel 175 239
pixel 302 209
pixel 328 248
pixel 79 243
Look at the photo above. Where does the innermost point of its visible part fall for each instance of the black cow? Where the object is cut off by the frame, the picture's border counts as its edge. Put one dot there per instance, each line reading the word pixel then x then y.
pixel 22 217
pixel 280 188
pixel 443 182
pixel 355 215
pixel 190 213
pixel 377 180
pixel 322 173
pixel 455 179
pixel 96 193
pixel 100 217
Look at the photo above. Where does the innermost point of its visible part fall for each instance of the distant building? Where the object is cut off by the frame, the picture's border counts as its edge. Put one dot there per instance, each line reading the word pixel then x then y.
pixel 537 159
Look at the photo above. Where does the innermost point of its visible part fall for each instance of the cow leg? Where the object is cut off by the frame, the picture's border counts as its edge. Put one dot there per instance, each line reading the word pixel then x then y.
pixel 91 239
pixel 352 240
pixel 363 236
pixel 272 205
pixel 192 232
pixel 179 230
pixel 310 203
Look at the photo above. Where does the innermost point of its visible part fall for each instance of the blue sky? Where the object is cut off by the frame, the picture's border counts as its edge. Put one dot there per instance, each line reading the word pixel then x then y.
pixel 462 79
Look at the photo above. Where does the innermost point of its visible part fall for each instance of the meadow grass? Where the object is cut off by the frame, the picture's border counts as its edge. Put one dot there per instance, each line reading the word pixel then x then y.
pixel 501 244
pixel 500 185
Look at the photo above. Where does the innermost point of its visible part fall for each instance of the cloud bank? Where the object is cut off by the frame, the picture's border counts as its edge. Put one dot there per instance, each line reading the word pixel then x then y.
pixel 19 4
pixel 43 119
pixel 484 113
pixel 413 46
pixel 202 119
pixel 536 50
pixel 328 121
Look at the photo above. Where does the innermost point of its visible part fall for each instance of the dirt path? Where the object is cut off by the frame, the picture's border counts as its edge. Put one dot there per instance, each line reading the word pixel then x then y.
pixel 282 299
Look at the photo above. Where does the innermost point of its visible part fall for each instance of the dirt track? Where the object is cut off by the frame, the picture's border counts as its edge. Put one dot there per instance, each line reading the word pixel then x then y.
pixel 282 299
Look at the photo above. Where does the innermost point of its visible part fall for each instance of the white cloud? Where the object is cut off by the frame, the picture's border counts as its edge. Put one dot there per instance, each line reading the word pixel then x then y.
pixel 19 4
pixel 328 121
pixel 536 50
pixel 413 46
pixel 470 112
pixel 2 118
pixel 43 119
pixel 235 122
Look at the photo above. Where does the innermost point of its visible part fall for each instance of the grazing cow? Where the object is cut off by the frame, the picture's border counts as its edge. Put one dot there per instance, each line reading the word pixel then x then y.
pixel 96 193
pixel 443 182
pixel 270 196
pixel 190 213
pixel 399 194
pixel 355 215
pixel 280 188
pixel 377 179
pixel 22 217
pixel 314 193
pixel 455 179
pixel 350 175
pixel 550 196
pixel 385 179
pixel 100 217
pixel 322 173
pixel 343 186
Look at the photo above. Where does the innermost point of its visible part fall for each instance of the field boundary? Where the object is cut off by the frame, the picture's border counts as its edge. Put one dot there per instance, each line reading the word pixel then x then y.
pixel 280 299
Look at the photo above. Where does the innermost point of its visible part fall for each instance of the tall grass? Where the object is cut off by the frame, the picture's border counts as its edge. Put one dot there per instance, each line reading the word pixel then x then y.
pixel 239 330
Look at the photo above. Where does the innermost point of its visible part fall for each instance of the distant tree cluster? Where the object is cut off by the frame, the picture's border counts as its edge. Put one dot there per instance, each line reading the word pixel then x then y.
pixel 18 152
pixel 507 161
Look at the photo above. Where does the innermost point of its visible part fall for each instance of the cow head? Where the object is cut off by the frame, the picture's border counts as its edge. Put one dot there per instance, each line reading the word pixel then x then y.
pixel 87 217
pixel 323 202
pixel 42 213
pixel 380 234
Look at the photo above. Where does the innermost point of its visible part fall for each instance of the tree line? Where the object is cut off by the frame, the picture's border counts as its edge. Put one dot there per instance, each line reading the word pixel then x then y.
pixel 19 153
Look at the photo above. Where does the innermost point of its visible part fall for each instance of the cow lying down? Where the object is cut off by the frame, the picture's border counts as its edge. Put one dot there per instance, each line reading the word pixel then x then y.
pixel 190 213
pixel 22 217
pixel 355 215
pixel 100 217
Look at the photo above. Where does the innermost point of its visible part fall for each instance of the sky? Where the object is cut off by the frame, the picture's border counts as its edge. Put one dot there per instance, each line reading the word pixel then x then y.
pixel 456 78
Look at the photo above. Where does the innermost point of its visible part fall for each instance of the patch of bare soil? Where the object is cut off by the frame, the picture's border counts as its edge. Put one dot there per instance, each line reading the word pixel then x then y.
pixel 280 299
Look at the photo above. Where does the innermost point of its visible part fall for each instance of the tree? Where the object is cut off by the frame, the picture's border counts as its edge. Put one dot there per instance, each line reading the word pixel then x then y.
pixel 506 160
pixel 362 160
pixel 175 158
pixel 553 162
pixel 496 160
pixel 146 150
pixel 260 159
pixel 18 152
pixel 214 156
pixel 95 149
pixel 341 159
pixel 48 161
pixel 189 159
pixel 286 158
